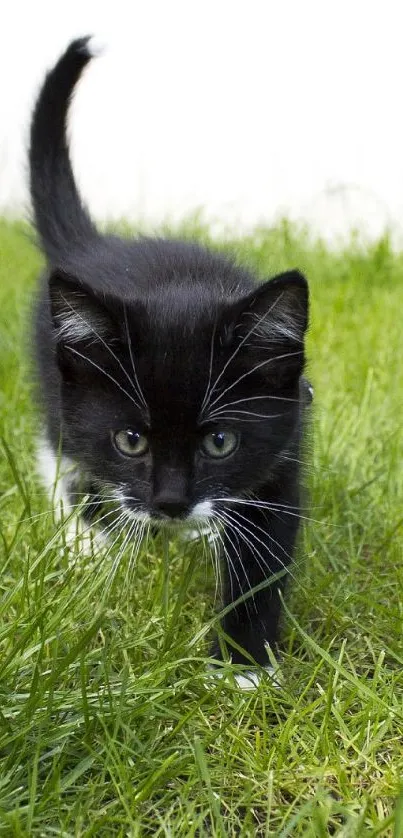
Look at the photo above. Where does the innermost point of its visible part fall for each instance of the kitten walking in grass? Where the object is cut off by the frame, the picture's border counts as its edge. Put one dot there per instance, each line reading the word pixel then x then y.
pixel 171 384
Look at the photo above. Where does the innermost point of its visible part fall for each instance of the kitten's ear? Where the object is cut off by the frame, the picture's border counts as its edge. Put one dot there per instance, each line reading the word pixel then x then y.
pixel 77 314
pixel 275 313
pixel 269 326
pixel 84 328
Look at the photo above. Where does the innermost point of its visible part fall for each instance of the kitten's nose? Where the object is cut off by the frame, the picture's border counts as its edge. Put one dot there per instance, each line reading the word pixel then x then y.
pixel 170 505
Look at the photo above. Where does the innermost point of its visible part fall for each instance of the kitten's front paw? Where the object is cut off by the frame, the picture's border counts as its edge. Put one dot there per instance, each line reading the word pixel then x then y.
pixel 250 678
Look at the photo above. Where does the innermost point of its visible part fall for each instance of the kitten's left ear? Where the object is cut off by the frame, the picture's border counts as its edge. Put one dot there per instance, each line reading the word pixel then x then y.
pixel 276 312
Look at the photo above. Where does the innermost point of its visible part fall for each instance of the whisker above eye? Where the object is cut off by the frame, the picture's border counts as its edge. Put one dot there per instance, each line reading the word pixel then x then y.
pixel 253 370
pixel 104 372
pixel 129 343
pixel 254 327
pixel 108 348
pixel 222 414
pixel 248 399
pixel 206 394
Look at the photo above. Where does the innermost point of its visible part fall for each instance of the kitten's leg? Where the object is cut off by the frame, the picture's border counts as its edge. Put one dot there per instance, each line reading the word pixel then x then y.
pixel 59 478
pixel 258 545
pixel 54 471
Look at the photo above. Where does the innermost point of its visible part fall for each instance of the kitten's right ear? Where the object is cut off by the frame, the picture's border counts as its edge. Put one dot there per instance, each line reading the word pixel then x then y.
pixel 77 314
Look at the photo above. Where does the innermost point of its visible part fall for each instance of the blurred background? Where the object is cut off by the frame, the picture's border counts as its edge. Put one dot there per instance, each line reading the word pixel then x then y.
pixel 243 111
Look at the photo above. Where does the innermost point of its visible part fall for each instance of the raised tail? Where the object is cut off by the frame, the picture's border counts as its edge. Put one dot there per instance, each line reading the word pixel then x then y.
pixel 62 222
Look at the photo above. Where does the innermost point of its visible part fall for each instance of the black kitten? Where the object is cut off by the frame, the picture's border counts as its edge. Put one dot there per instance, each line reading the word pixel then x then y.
pixel 171 381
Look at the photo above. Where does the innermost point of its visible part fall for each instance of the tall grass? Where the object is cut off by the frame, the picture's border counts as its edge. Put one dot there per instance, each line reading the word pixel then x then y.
pixel 108 722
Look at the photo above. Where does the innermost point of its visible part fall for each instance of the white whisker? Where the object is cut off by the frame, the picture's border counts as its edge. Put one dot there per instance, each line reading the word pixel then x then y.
pixel 100 338
pixel 111 378
pixel 139 390
pixel 222 414
pixel 216 559
pixel 117 559
pixel 235 352
pixel 271 507
pixel 137 541
pixel 251 371
pixel 239 558
pixel 242 529
pixel 210 368
pixel 248 399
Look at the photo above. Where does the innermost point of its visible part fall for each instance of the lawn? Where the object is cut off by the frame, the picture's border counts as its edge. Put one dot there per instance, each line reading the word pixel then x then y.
pixel 108 724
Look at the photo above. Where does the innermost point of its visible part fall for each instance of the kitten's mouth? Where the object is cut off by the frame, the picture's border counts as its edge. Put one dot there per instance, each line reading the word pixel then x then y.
pixel 165 522
pixel 196 519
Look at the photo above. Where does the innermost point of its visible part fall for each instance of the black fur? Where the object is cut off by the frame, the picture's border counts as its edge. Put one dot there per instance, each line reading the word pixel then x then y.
pixel 167 323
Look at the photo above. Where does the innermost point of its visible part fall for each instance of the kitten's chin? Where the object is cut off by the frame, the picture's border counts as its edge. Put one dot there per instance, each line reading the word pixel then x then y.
pixel 197 522
pixel 186 529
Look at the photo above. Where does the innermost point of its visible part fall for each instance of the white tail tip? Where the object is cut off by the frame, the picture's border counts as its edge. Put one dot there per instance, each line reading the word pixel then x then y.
pixel 96 46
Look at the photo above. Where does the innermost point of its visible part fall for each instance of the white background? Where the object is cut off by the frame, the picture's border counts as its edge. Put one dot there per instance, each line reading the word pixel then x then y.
pixel 249 109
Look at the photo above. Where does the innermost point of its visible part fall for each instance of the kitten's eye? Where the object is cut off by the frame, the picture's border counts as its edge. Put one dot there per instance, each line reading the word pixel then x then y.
pixel 220 444
pixel 130 443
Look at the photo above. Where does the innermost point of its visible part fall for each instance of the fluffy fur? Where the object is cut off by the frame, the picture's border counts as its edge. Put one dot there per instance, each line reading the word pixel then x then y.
pixel 170 380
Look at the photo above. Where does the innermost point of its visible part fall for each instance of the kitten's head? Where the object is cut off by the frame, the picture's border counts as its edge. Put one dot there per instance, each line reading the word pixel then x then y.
pixel 184 396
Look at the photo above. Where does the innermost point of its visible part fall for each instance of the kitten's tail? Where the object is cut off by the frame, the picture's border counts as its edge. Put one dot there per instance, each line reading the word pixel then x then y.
pixel 62 222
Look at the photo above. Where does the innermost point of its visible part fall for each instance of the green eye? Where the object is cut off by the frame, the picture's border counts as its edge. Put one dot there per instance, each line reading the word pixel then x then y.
pixel 220 444
pixel 130 443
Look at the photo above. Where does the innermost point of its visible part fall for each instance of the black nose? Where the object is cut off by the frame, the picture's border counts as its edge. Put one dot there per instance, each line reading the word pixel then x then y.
pixel 170 506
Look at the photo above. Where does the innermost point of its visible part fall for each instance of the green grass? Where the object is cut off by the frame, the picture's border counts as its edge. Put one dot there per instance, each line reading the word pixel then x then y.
pixel 107 725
